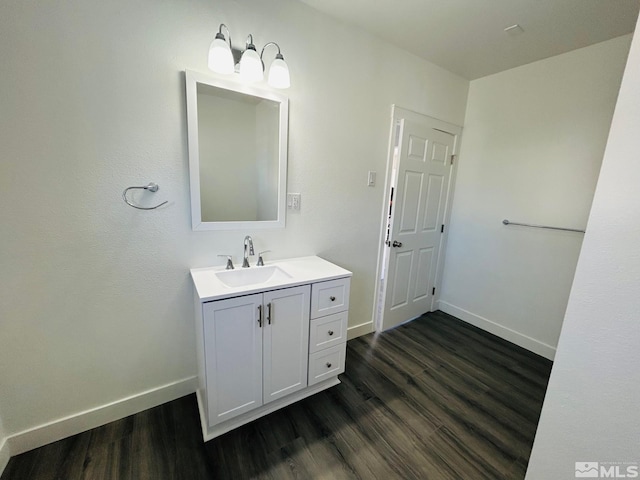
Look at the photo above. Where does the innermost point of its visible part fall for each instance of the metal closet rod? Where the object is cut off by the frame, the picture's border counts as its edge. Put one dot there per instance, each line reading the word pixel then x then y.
pixel 507 222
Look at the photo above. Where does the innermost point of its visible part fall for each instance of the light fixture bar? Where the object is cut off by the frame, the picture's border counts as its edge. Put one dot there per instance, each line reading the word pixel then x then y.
pixel 251 65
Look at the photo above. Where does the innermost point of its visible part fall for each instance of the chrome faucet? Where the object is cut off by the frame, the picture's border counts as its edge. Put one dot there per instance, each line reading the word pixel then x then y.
pixel 248 243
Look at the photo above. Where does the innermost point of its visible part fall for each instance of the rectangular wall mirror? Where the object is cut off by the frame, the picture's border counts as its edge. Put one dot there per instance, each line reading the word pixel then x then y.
pixel 237 154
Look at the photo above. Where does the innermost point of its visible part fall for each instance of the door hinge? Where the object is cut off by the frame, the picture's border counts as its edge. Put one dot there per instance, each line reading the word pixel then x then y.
pixel 442 229
pixel 433 292
pixel 453 157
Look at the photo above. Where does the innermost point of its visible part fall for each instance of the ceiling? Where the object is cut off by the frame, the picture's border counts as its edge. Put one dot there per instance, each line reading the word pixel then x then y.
pixel 467 37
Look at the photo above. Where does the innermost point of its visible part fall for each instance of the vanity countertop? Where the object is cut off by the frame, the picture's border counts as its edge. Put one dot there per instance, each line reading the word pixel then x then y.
pixel 296 271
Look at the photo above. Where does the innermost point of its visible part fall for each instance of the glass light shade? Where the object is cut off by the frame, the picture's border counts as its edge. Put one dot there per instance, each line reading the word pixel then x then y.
pixel 220 57
pixel 251 66
pixel 279 73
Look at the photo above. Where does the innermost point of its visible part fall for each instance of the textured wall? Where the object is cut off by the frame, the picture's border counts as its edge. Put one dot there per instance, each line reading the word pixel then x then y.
pixel 96 300
pixel 590 413
pixel 531 151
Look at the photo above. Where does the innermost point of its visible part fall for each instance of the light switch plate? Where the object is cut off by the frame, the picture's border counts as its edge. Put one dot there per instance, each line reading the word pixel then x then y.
pixel 371 179
pixel 293 201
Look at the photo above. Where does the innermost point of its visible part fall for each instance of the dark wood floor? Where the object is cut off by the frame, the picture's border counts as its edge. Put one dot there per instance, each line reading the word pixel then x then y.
pixel 434 399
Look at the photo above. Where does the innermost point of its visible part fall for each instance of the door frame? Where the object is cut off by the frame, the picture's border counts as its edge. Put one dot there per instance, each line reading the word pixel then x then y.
pixel 397 114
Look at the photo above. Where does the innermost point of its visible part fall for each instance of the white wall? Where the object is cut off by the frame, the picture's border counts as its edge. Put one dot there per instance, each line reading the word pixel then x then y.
pixel 96 300
pixel 590 413
pixel 531 151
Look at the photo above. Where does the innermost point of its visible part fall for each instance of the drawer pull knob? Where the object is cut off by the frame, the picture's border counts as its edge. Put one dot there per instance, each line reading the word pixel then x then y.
pixel 328 365
pixel 330 332
pixel 332 298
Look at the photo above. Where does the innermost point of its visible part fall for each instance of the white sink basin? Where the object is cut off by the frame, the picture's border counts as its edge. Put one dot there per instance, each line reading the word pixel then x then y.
pixel 214 283
pixel 252 276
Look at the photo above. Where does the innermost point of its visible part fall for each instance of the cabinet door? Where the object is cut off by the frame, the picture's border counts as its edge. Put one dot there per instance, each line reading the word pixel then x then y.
pixel 286 341
pixel 233 356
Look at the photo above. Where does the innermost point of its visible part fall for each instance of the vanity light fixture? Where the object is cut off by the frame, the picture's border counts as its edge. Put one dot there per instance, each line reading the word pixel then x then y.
pixel 220 56
pixel 251 68
pixel 223 58
pixel 278 71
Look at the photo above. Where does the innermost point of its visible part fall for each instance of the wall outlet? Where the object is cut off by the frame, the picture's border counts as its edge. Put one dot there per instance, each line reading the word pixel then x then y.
pixel 293 201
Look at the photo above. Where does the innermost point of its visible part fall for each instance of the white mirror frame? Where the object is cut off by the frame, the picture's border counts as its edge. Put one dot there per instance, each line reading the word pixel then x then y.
pixel 192 79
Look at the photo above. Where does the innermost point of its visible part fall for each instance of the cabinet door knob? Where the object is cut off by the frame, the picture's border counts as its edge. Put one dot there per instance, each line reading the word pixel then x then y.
pixel 328 365
pixel 330 332
pixel 332 298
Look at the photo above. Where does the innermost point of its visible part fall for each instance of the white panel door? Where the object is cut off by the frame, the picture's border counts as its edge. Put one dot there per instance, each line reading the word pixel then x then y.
pixel 233 356
pixel 419 204
pixel 286 341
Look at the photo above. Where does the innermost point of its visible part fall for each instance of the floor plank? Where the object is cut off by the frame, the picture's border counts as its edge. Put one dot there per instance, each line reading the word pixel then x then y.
pixel 433 399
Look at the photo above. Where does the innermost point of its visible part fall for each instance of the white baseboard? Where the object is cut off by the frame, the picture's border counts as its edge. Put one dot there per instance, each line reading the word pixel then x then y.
pixel 5 454
pixel 82 421
pixel 501 331
pixel 359 330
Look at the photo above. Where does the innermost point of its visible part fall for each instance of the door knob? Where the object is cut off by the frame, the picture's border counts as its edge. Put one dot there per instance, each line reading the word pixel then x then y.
pixel 396 244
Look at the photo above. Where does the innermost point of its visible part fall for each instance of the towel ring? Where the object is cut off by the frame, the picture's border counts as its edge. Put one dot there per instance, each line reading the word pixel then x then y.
pixel 152 187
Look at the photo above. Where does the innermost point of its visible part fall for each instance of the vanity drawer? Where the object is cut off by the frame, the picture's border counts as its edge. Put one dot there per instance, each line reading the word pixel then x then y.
pixel 326 363
pixel 330 297
pixel 328 331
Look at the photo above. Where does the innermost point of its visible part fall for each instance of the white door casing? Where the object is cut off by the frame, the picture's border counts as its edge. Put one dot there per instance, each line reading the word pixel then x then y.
pixel 420 204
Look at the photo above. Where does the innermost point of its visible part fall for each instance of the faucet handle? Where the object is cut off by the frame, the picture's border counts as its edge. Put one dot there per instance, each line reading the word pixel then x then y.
pixel 229 262
pixel 260 262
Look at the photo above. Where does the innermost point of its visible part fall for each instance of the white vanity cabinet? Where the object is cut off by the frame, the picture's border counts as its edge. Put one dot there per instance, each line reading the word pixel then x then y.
pixel 256 350
pixel 262 346
pixel 328 337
